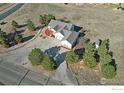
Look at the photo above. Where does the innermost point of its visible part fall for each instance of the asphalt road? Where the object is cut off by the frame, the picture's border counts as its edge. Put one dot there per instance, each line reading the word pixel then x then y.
pixel 11 74
pixel 10 11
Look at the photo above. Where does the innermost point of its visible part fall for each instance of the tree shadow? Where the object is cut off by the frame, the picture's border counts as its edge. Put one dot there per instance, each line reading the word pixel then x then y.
pixel 10 38
pixel 20 31
pixel 3 23
pixel 81 34
pixel 97 57
pixel 111 53
pixel 38 27
pixel 23 25
pixel 27 38
pixel 113 63
pixel 80 52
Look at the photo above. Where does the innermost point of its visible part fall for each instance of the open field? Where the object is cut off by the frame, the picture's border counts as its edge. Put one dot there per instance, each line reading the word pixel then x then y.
pixel 101 22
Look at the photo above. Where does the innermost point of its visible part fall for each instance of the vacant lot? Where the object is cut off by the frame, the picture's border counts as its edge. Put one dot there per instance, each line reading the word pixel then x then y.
pixel 101 22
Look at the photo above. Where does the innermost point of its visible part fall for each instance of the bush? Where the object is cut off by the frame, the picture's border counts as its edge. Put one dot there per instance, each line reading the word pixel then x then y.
pixel 36 56
pixel 108 71
pixel 48 63
pixel 45 19
pixel 14 24
pixel 18 38
pixel 30 25
pixel 71 56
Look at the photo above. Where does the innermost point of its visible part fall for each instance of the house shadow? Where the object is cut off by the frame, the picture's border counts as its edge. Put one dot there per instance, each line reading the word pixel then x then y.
pixel 77 28
pixel 54 52
pixel 60 59
pixel 27 38
pixel 81 34
pixel 113 63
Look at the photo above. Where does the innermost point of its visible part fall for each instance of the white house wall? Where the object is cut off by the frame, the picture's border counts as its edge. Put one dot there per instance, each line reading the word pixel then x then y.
pixel 65 43
pixel 59 36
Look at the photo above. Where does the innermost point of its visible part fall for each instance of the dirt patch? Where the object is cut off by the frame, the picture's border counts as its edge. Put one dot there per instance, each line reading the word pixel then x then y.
pixel 85 75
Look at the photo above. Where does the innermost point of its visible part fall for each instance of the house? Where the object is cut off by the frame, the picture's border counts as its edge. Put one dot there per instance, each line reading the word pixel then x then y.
pixel 64 32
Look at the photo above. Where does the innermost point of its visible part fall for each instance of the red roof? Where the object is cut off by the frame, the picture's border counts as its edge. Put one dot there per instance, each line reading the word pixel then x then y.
pixel 47 32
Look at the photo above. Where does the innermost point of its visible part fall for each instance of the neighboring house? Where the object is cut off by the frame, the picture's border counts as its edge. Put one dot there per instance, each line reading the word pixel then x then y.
pixel 64 32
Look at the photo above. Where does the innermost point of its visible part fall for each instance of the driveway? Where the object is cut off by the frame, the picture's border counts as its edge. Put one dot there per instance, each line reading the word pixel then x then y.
pixel 20 56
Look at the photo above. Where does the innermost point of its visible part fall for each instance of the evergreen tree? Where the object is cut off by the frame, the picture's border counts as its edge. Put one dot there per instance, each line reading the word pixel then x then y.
pixel 30 25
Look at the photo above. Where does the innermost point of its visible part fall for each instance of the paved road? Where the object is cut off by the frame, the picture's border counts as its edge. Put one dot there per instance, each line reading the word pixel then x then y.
pixel 16 75
pixel 9 12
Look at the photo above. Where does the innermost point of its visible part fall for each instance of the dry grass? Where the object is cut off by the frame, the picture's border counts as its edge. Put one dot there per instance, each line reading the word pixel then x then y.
pixel 102 21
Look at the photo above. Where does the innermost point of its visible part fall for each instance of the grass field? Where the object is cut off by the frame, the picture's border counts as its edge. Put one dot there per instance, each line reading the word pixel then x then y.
pixel 102 22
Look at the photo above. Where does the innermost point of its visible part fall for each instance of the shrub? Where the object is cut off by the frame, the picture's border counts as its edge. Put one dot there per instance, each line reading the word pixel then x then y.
pixel 18 38
pixel 48 63
pixel 108 71
pixel 36 56
pixel 14 24
pixel 71 56
pixel 30 25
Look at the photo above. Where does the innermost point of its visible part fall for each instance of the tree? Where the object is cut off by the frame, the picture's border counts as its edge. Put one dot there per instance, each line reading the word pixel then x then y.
pixel 45 19
pixel 105 59
pixel 89 56
pixel 90 47
pixel 104 47
pixel 14 24
pixel 36 56
pixel 18 38
pixel 3 39
pixel 108 71
pixel 89 59
pixel 30 25
pixel 103 52
pixel 48 63
pixel 71 56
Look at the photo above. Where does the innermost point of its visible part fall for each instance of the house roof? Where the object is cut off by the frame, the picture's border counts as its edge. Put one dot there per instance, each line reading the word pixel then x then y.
pixel 66 29
pixel 55 24
pixel 72 37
